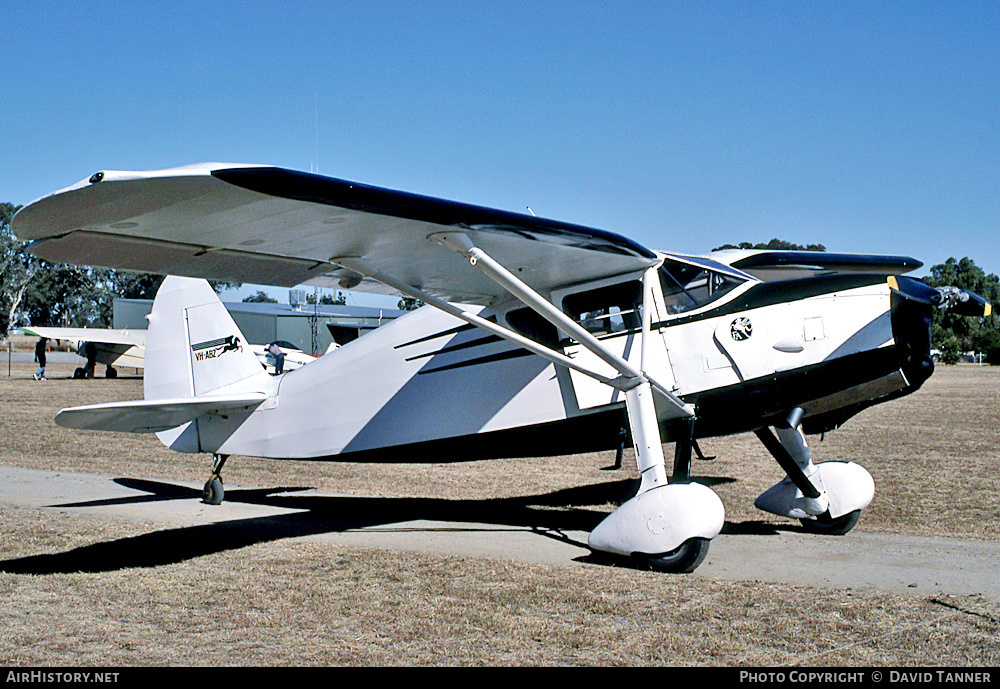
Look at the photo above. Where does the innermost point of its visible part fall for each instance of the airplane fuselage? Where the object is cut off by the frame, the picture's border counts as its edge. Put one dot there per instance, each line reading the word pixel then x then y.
pixel 430 387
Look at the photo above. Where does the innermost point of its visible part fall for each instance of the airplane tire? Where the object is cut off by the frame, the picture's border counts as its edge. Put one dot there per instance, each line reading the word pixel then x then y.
pixel 80 374
pixel 832 527
pixel 682 560
pixel 213 493
pixel 110 373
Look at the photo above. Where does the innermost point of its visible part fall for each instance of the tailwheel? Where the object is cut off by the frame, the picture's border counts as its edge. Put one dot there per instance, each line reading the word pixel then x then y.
pixel 830 526
pixel 681 560
pixel 213 492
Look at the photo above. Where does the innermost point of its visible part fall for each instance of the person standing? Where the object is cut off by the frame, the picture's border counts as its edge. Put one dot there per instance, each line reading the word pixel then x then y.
pixel 279 357
pixel 40 358
pixel 91 350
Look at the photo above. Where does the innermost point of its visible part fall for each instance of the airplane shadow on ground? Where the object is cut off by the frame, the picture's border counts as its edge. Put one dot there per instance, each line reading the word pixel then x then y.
pixel 549 515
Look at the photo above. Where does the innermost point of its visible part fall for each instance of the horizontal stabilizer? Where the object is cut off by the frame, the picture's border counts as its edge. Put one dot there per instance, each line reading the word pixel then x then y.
pixel 153 416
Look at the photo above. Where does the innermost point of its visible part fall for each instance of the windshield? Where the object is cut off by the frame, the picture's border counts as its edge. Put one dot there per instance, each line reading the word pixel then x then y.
pixel 687 286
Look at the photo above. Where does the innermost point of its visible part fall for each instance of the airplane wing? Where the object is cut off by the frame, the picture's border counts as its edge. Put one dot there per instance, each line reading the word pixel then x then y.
pixel 768 265
pixel 153 416
pixel 270 225
pixel 133 338
pixel 112 347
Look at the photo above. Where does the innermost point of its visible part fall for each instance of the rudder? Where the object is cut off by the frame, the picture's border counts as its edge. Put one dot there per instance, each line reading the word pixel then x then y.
pixel 193 346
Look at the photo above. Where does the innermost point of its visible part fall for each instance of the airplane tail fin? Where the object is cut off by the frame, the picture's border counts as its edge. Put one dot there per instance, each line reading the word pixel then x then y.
pixel 201 377
pixel 193 347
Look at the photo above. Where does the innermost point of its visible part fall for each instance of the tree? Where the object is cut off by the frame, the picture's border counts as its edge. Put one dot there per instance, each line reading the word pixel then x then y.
pixel 337 299
pixel 951 350
pixel 773 245
pixel 81 296
pixel 17 268
pixel 409 304
pixel 970 333
pixel 261 297
pixel 138 285
pixel 63 295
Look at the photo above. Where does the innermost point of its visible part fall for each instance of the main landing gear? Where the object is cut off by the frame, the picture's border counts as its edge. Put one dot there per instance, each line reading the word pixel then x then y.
pixel 213 493
pixel 669 524
pixel 692 552
pixel 826 498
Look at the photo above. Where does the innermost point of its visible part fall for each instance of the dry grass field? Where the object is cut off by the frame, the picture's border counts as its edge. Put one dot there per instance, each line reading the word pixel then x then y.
pixel 294 601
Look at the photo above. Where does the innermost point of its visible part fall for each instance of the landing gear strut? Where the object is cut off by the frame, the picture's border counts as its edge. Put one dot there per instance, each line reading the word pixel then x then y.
pixel 827 498
pixel 213 493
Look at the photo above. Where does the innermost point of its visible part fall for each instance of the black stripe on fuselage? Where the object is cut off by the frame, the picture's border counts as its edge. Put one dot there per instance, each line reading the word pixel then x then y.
pixel 455 348
pixel 502 356
pixel 586 433
pixel 767 400
pixel 444 333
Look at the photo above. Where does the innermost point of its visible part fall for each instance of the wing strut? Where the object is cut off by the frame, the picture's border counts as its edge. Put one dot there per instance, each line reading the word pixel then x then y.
pixel 477 257
pixel 630 375
pixel 636 385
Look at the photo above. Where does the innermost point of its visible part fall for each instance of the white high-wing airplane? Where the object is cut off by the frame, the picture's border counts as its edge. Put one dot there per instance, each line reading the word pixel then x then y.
pixel 110 347
pixel 539 337
pixel 128 348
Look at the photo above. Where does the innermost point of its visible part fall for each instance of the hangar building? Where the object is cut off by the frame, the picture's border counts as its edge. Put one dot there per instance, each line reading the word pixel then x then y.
pixel 309 327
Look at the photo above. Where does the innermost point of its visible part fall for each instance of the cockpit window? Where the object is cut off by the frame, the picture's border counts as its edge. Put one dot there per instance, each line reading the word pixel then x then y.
pixel 608 309
pixel 687 286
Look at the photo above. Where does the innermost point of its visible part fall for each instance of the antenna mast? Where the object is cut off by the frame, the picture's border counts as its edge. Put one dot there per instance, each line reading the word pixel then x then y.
pixel 316 105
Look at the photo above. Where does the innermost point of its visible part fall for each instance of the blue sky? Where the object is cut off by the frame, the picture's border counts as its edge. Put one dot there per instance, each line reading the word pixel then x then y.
pixel 865 126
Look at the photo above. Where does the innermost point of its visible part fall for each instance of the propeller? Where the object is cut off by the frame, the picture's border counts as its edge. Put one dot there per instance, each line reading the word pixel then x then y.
pixel 955 299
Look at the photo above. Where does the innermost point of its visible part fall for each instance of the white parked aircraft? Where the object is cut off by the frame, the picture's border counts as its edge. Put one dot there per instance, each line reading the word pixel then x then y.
pixel 109 347
pixel 538 337
pixel 128 348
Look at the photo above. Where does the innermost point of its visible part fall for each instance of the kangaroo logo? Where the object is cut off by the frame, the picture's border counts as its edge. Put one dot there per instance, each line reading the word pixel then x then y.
pixel 741 329
pixel 216 348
